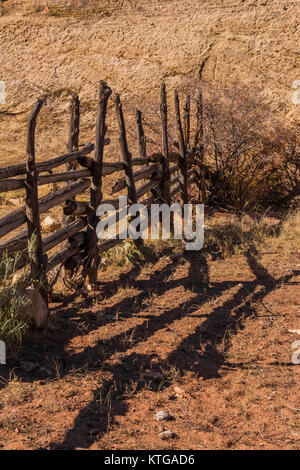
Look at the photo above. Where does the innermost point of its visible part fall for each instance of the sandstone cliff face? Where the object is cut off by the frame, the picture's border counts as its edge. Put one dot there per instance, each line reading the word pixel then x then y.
pixel 134 48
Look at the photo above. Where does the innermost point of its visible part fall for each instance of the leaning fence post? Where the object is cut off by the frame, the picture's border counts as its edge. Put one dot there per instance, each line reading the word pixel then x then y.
pixel 142 143
pixel 199 168
pixel 38 261
pixel 126 157
pixel 187 121
pixel 165 184
pixel 141 135
pixel 74 129
pixel 73 140
pixel 92 259
pixel 72 146
pixel 183 179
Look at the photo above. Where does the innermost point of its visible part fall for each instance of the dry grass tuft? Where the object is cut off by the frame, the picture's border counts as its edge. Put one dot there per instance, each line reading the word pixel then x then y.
pixel 16 392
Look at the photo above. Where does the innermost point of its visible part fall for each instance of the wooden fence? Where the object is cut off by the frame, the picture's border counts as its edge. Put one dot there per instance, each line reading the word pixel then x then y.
pixel 167 174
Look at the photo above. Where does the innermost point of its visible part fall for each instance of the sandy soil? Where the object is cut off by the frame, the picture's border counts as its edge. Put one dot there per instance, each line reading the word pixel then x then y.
pixel 43 50
pixel 216 355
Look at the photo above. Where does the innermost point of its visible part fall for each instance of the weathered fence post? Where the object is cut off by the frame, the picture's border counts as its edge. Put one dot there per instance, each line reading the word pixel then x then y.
pixel 199 167
pixel 72 146
pixel 165 183
pixel 74 129
pixel 126 157
pixel 183 179
pixel 38 261
pixel 73 140
pixel 142 146
pixel 187 121
pixel 141 135
pixel 92 259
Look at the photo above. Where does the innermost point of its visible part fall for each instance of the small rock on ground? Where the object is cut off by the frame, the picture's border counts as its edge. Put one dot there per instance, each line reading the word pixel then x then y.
pixel 50 224
pixel 167 434
pixel 162 416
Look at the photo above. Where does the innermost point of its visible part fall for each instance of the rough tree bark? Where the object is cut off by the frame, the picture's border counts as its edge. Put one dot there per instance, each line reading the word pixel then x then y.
pixel 92 259
pixel 38 261
pixel 165 184
pixel 183 180
pixel 126 158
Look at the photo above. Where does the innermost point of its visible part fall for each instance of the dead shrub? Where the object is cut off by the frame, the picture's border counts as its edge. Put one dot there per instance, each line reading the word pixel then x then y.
pixel 252 156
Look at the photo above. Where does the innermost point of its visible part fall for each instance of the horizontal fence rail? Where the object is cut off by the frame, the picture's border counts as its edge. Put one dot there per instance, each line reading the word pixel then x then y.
pixel 164 176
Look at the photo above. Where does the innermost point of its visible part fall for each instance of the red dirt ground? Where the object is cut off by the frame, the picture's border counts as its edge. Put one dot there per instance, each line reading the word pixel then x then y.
pixel 215 355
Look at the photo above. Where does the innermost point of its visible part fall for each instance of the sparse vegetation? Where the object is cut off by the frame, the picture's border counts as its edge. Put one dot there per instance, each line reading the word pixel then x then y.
pixel 129 253
pixel 13 302
pixel 229 234
pixel 252 157
pixel 204 336
pixel 15 392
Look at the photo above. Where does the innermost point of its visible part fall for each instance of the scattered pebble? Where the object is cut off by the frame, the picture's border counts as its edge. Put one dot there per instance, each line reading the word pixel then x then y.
pixel 179 392
pixel 50 224
pixel 167 434
pixel 162 416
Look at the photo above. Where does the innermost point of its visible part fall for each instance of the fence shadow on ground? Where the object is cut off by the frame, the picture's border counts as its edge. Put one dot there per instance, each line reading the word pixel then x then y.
pixel 207 363
pixel 184 358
